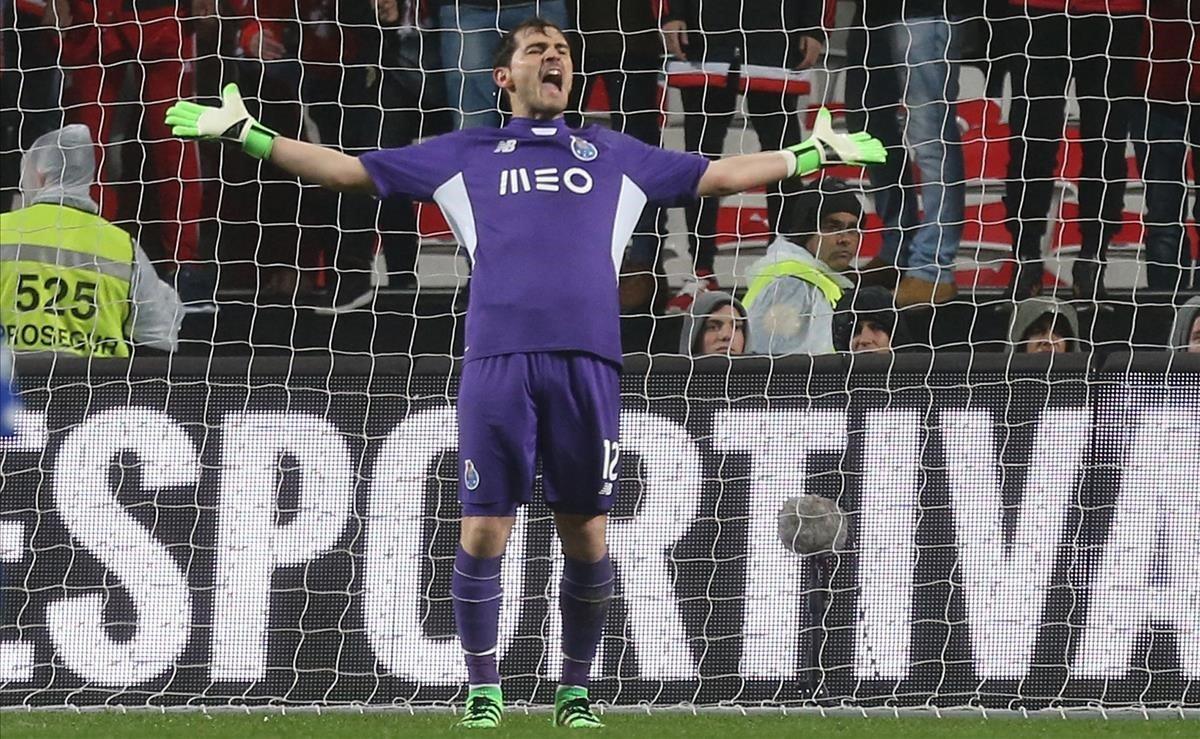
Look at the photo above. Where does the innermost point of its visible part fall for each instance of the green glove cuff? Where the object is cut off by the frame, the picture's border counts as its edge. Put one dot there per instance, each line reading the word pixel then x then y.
pixel 259 140
pixel 808 158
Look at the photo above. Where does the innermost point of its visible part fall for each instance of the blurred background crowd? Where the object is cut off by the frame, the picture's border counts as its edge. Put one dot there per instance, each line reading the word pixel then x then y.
pixel 1043 153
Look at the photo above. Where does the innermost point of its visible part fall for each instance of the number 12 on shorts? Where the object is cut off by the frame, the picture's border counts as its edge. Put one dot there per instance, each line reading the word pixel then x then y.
pixel 610 466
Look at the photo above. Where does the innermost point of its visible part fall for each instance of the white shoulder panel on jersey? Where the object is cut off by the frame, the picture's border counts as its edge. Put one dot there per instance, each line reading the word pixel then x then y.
pixel 630 202
pixel 452 198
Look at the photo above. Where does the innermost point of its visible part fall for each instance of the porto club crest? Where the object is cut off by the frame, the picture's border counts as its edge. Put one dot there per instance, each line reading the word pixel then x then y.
pixel 470 475
pixel 584 151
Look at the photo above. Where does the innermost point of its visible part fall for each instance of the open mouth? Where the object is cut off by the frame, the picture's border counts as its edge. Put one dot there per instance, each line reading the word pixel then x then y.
pixel 553 78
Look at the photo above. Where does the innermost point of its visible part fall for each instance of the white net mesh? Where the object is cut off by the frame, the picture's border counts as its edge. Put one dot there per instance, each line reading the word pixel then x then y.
pixel 269 517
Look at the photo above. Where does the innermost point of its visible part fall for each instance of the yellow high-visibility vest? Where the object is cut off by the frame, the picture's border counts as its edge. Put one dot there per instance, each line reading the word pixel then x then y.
pixel 65 281
pixel 793 268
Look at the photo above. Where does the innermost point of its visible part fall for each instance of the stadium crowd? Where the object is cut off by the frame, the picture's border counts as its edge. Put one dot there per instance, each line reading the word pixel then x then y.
pixel 368 74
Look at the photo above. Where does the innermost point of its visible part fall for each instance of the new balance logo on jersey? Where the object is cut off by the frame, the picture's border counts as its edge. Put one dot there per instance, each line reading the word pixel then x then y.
pixel 507 146
pixel 547 179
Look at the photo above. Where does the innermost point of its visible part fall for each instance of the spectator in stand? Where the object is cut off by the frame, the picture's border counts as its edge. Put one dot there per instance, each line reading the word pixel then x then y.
pixel 470 38
pixel 1043 326
pixel 906 54
pixel 274 45
pixel 318 63
pixel 1170 79
pixel 394 117
pixel 70 281
pixel 794 289
pixel 30 84
pixel 619 44
pixel 1185 334
pixel 102 42
pixel 780 35
pixel 866 321
pixel 1096 43
pixel 716 324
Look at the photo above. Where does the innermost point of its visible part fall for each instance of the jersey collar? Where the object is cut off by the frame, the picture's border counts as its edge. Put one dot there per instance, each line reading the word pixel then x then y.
pixel 551 127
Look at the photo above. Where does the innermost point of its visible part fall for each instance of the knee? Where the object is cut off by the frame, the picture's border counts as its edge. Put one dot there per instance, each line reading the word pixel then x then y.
pixel 485 536
pixel 582 537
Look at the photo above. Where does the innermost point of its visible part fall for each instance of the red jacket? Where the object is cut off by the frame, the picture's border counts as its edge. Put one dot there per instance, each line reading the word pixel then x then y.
pixel 1171 48
pixel 114 31
pixel 1116 7
pixel 308 28
pixel 109 11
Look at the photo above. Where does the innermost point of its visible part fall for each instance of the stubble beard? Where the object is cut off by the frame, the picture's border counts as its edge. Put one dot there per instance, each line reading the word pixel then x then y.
pixel 544 110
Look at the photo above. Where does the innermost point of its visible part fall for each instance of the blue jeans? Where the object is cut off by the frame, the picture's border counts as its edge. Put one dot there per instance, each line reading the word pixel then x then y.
pixel 1168 254
pixel 469 40
pixel 913 63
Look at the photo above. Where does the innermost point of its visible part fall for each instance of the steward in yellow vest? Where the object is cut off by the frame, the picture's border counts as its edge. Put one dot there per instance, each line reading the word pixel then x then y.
pixel 70 281
pixel 794 289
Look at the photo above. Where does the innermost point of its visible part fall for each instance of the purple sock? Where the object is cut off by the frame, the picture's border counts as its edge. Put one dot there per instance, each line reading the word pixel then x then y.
pixel 584 595
pixel 475 588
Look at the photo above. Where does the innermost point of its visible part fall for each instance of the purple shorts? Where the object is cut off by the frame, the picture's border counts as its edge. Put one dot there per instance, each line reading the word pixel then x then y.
pixel 561 407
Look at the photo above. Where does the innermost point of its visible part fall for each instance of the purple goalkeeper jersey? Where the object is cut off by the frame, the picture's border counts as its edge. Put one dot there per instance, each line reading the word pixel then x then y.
pixel 544 211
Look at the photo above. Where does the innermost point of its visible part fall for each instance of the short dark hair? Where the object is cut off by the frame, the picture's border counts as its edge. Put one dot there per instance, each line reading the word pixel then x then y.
pixel 1051 323
pixel 508 44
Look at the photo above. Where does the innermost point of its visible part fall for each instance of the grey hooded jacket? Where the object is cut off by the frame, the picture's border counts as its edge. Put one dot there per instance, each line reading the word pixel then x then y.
pixel 1029 311
pixel 58 170
pixel 693 323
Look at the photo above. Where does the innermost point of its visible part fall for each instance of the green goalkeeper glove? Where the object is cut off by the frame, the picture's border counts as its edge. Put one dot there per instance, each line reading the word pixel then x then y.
pixel 827 147
pixel 230 121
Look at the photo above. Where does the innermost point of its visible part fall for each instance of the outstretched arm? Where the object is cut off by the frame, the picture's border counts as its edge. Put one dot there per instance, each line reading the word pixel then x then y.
pixel 739 173
pixel 321 165
pixel 745 171
pixel 310 162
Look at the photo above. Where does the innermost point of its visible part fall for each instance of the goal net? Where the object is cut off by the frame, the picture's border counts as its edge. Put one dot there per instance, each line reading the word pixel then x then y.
pixel 269 516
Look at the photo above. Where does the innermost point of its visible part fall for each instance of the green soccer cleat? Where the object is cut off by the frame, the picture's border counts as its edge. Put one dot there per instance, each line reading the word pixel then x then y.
pixel 573 710
pixel 485 705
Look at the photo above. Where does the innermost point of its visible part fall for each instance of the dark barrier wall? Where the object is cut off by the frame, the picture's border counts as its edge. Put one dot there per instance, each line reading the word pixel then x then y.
pixel 237 532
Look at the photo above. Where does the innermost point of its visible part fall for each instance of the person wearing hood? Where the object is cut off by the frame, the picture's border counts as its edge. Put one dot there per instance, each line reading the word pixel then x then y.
pixel 70 281
pixel 866 321
pixel 1042 326
pixel 715 324
pixel 1185 334
pixel 794 288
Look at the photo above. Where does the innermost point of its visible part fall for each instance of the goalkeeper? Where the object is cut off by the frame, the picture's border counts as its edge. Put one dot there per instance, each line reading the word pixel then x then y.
pixel 544 212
